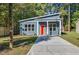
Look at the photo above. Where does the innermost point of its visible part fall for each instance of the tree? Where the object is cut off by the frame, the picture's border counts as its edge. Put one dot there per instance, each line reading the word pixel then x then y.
pixel 63 14
pixel 74 19
pixel 24 11
pixel 50 8
pixel 74 15
pixel 10 25
pixel 69 17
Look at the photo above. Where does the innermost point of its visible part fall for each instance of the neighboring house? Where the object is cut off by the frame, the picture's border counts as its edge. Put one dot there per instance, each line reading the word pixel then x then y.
pixel 77 26
pixel 41 25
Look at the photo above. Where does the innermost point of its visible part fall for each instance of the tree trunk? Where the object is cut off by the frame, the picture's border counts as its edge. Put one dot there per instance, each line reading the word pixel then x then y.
pixel 10 26
pixel 69 18
pixel 62 25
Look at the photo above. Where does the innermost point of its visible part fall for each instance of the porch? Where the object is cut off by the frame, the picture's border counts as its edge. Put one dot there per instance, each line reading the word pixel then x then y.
pixel 52 28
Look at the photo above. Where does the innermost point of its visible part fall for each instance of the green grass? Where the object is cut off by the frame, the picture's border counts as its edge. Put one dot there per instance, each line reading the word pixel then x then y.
pixel 72 37
pixel 21 45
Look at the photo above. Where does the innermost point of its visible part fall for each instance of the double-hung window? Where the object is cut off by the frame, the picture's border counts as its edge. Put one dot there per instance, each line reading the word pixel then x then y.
pixel 26 27
pixel 32 27
pixel 29 27
pixel 54 27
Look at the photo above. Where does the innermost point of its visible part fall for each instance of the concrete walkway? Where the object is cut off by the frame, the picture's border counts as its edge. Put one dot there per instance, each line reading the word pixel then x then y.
pixel 53 46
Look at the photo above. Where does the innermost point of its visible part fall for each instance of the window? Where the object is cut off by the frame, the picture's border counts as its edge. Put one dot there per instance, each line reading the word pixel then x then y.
pixel 32 27
pixel 50 28
pixel 26 27
pixel 54 27
pixel 50 25
pixel 29 27
pixel 22 29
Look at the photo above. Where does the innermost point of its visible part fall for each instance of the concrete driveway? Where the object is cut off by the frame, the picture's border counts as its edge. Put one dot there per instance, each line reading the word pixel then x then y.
pixel 53 46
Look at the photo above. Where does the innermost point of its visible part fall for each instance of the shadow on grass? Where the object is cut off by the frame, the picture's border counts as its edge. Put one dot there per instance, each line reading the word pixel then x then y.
pixel 41 38
pixel 77 38
pixel 17 42
pixel 4 46
pixel 24 41
pixel 63 33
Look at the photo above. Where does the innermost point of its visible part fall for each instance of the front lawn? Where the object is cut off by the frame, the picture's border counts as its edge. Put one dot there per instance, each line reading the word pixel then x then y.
pixel 72 37
pixel 22 45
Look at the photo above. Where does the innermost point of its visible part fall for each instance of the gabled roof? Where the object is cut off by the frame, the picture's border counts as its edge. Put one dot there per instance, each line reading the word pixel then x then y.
pixel 38 17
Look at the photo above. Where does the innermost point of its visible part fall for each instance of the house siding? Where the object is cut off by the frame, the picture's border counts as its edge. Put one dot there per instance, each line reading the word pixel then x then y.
pixel 56 19
pixel 23 32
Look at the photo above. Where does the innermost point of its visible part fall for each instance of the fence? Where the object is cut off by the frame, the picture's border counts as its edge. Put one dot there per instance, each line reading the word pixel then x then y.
pixel 4 31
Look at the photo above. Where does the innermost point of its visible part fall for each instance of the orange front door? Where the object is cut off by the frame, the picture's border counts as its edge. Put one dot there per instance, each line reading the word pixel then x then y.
pixel 42 29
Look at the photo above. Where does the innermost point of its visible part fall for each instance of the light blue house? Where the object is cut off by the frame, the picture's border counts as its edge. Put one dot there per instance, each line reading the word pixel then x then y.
pixel 41 25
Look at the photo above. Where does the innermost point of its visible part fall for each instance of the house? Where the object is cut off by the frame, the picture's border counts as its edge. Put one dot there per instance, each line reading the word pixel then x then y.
pixel 42 25
pixel 77 26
